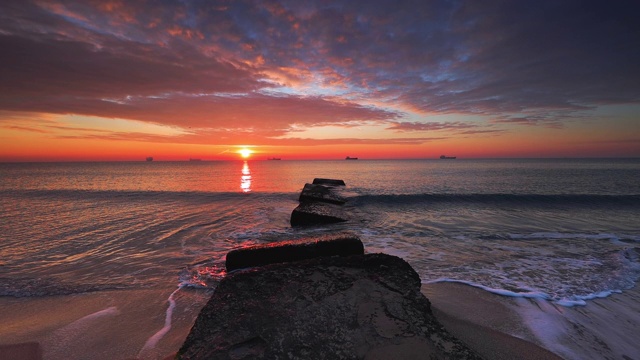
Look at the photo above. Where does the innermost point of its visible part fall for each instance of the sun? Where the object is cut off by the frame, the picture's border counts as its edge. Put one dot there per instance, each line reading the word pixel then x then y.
pixel 245 153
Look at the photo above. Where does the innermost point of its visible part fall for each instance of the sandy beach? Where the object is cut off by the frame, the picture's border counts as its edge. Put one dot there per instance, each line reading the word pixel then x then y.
pixel 129 324
pixel 501 327
pixel 103 325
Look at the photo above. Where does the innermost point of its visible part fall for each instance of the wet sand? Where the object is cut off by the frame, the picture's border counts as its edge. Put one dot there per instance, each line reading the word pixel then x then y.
pixel 118 324
pixel 501 327
pixel 104 325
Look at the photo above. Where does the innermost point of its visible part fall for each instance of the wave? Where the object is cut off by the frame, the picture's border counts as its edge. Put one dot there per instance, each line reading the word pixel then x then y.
pixel 48 287
pixel 388 199
pixel 575 300
pixel 202 276
pixel 133 194
pixel 620 238
pixel 506 199
pixel 524 293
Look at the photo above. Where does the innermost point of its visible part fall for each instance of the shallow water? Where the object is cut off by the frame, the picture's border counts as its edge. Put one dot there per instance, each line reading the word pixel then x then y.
pixel 562 230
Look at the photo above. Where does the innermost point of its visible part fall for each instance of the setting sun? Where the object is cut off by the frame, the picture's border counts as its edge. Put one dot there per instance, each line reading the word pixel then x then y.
pixel 245 153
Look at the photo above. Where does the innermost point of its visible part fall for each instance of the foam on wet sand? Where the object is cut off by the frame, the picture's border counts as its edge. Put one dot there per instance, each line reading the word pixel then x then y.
pixel 501 327
pixel 102 325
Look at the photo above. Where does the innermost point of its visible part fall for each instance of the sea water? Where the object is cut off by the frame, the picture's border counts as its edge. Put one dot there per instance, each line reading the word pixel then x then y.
pixel 562 231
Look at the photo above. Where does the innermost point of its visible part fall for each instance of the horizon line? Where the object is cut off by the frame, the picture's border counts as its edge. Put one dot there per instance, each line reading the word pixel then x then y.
pixel 331 159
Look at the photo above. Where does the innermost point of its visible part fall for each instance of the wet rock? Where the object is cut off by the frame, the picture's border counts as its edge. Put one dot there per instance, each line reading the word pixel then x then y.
pixel 317 213
pixel 355 307
pixel 342 244
pixel 330 182
pixel 320 204
pixel 313 192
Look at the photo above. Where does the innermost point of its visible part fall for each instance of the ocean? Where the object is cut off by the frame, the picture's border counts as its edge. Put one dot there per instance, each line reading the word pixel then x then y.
pixel 562 230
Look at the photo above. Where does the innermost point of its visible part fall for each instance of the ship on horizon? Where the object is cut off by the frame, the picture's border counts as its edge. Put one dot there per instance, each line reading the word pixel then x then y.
pixel 150 158
pixel 351 158
pixel 274 158
pixel 443 157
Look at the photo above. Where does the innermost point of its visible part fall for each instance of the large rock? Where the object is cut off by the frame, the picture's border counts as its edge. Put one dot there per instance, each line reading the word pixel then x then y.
pixel 312 192
pixel 342 244
pixel 317 213
pixel 356 307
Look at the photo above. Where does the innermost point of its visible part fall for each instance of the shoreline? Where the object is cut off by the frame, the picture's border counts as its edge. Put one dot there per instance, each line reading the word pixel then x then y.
pixel 501 327
pixel 118 324
pixel 106 325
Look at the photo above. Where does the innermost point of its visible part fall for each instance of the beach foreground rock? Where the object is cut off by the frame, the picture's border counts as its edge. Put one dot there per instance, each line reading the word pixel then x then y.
pixel 354 307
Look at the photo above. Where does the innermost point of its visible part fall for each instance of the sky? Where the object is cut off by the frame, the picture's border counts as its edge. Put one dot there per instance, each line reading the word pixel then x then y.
pixel 123 80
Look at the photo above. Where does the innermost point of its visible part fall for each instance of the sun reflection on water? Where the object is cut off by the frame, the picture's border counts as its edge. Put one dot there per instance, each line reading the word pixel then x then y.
pixel 245 179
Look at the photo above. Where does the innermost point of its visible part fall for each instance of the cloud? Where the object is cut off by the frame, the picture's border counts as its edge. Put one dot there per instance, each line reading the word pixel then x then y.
pixel 269 66
pixel 490 58
pixel 211 111
pixel 486 131
pixel 25 128
pixel 534 56
pixel 630 141
pixel 44 67
pixel 235 137
pixel 430 126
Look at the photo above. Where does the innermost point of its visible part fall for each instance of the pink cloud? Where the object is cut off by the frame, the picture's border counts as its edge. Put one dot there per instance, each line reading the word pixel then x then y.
pixel 430 126
pixel 25 128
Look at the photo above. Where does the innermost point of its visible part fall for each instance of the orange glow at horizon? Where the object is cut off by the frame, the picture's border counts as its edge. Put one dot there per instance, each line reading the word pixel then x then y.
pixel 43 143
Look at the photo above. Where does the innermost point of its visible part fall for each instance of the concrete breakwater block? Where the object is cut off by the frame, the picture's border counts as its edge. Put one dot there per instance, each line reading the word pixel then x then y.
pixel 314 192
pixel 320 204
pixel 317 213
pixel 331 182
pixel 342 244
pixel 354 307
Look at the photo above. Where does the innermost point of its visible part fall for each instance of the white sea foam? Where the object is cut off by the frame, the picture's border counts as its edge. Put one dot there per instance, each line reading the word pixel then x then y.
pixel 567 269
pixel 153 340
pixel 528 293
pixel 206 275
pixel 607 330
pixel 615 238
pixel 546 323
pixel 580 300
pixel 503 292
